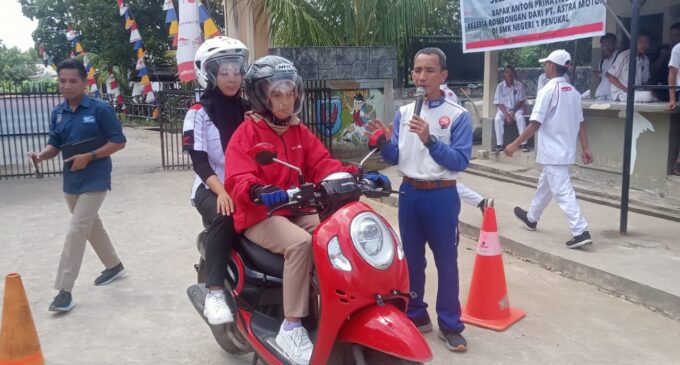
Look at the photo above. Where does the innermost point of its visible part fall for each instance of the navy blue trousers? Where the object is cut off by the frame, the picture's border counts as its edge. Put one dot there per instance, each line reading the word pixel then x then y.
pixel 432 216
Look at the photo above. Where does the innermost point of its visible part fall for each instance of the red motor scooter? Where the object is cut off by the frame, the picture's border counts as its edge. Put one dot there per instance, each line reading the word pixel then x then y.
pixel 359 288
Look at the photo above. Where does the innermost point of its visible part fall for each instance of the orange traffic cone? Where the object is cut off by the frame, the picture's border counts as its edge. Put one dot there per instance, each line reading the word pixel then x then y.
pixel 19 343
pixel 488 305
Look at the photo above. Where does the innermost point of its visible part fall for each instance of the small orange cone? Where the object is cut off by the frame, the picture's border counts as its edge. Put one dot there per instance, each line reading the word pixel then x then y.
pixel 19 343
pixel 488 305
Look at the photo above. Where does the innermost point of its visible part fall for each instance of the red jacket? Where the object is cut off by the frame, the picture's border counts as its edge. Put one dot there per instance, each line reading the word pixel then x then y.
pixel 296 146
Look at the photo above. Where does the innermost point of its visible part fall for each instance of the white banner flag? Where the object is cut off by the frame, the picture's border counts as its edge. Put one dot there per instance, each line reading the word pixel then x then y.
pixel 167 5
pixel 501 24
pixel 189 39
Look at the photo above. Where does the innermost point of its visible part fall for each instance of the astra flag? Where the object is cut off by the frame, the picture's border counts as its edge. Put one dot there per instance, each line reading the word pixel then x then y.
pixel 189 39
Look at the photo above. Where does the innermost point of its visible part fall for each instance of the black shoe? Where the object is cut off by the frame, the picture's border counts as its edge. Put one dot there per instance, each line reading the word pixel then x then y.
pixel 424 324
pixel 498 148
pixel 580 240
pixel 110 275
pixel 454 341
pixel 524 148
pixel 63 302
pixel 482 204
pixel 521 214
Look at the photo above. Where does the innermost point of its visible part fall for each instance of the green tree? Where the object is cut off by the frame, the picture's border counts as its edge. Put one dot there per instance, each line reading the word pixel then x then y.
pixel 101 29
pixel 349 22
pixel 16 66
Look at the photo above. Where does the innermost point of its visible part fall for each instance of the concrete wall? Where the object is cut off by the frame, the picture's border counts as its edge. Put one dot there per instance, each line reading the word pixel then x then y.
pixel 342 63
pixel 654 147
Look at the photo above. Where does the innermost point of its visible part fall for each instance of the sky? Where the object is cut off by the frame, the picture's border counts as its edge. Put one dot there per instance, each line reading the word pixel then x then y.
pixel 15 28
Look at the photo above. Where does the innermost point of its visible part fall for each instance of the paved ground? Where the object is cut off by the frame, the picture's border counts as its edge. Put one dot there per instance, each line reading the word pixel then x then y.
pixel 146 318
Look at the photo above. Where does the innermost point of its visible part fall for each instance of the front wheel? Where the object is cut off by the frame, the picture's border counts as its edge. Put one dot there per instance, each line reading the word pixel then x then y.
pixel 366 356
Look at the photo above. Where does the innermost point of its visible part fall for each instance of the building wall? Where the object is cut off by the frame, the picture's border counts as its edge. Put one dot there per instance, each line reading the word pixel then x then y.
pixel 342 63
pixel 359 79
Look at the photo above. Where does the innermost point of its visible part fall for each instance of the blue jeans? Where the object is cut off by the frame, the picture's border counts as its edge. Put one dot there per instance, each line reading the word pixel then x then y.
pixel 432 216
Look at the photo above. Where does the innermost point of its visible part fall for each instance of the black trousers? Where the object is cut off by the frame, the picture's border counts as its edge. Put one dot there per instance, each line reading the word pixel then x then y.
pixel 220 237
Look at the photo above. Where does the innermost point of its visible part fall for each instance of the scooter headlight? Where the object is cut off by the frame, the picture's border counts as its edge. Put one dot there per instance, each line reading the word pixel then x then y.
pixel 373 240
pixel 335 255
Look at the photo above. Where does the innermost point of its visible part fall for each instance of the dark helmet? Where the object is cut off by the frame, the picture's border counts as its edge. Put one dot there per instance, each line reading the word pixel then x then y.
pixel 269 72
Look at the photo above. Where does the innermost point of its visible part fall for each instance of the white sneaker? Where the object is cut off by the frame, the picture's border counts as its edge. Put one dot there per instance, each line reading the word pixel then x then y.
pixel 216 309
pixel 295 344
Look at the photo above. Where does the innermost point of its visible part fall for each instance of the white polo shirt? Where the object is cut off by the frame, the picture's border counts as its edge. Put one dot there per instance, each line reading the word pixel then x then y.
pixel 542 80
pixel 604 87
pixel 675 62
pixel 509 96
pixel 206 138
pixel 558 109
pixel 620 70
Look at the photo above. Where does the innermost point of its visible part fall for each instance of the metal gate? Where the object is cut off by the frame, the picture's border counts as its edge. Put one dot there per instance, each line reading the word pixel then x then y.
pixel 317 111
pixel 24 126
pixel 174 105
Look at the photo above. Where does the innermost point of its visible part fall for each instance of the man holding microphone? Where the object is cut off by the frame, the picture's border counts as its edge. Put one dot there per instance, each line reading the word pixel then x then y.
pixel 431 147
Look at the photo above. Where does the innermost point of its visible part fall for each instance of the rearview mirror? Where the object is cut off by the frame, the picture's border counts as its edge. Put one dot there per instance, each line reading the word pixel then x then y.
pixel 263 153
pixel 377 140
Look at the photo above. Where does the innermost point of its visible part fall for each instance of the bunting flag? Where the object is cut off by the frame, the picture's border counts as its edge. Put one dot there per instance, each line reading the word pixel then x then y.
pixel 71 34
pixel 140 65
pixel 171 17
pixel 134 33
pixel 74 38
pixel 47 59
pixel 122 8
pixel 205 21
pixel 209 27
pixel 128 22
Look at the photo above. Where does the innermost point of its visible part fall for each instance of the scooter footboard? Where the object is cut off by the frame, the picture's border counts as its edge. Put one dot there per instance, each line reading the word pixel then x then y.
pixel 386 329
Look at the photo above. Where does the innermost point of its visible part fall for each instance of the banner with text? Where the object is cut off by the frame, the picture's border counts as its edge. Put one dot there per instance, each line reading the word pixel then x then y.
pixel 501 24
pixel 189 39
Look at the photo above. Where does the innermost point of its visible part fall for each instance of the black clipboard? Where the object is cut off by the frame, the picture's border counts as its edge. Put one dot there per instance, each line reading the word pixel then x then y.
pixel 83 146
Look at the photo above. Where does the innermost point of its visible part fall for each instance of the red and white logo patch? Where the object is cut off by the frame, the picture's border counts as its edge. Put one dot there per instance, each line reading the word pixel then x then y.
pixel 566 88
pixel 444 122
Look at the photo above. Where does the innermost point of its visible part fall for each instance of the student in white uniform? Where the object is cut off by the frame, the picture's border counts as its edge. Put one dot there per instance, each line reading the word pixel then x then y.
pixel 558 118
pixel 509 99
pixel 618 72
pixel 674 80
pixel 609 54
pixel 466 194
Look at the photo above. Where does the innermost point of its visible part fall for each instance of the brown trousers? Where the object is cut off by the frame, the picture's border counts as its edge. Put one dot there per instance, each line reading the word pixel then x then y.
pixel 292 238
pixel 85 226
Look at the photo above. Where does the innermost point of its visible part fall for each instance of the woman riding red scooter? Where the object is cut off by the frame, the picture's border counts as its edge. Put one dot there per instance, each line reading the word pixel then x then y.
pixel 275 90
pixel 348 275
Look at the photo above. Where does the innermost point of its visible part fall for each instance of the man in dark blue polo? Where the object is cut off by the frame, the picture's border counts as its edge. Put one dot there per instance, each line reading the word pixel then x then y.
pixel 87 132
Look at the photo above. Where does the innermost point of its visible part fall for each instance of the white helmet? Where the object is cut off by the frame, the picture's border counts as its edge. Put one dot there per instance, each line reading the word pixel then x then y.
pixel 213 53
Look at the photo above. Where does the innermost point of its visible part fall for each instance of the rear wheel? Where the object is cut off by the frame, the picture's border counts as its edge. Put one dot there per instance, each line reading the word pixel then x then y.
pixel 373 357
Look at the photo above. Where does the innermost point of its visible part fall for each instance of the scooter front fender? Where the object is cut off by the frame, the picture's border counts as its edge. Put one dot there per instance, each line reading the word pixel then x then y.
pixel 386 329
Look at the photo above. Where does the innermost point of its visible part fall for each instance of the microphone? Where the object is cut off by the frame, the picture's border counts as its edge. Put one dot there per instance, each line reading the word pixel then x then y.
pixel 420 97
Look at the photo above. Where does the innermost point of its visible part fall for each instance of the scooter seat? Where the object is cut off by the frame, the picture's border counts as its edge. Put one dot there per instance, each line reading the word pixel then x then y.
pixel 265 261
